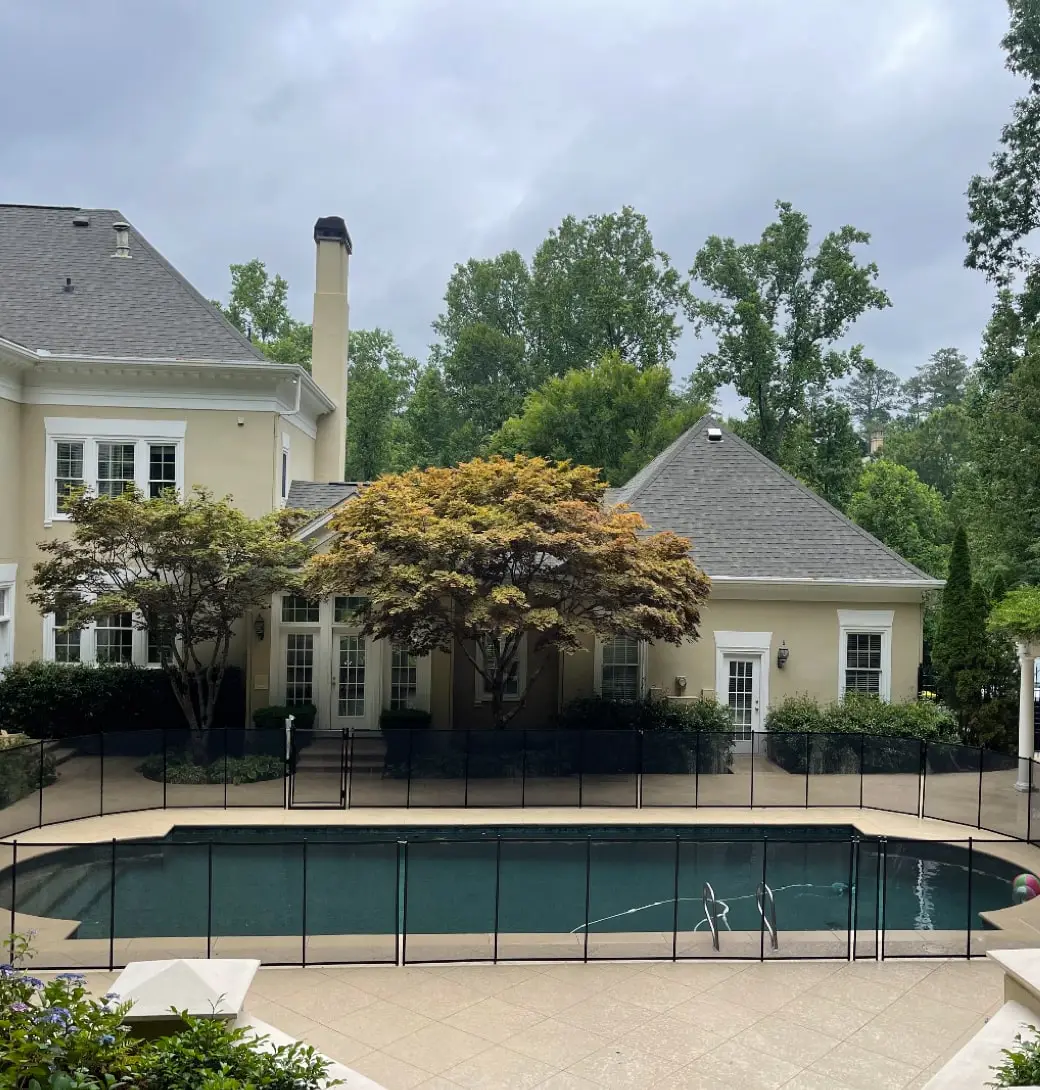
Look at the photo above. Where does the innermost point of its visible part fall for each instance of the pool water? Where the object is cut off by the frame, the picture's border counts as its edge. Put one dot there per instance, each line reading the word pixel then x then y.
pixel 516 879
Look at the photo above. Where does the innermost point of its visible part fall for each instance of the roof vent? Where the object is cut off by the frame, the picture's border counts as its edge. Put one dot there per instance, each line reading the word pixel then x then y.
pixel 122 231
pixel 68 285
pixel 80 221
pixel 714 435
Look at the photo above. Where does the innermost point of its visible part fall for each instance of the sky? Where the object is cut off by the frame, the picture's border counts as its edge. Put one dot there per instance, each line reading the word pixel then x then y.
pixel 448 129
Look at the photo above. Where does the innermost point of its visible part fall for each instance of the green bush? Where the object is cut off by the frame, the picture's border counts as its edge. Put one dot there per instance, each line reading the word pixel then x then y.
pixel 59 700
pixel 275 716
pixel 182 770
pixel 55 1036
pixel 21 772
pixel 1021 1064
pixel 412 718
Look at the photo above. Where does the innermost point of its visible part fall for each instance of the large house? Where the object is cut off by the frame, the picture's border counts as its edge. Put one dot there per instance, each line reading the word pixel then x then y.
pixel 113 369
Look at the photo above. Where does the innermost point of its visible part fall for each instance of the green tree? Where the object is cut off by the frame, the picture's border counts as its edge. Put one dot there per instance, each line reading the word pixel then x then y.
pixel 599 285
pixel 823 452
pixel 777 311
pixel 914 399
pixel 943 378
pixel 432 430
pixel 476 557
pixel 612 416
pixel 973 671
pixel 893 504
pixel 258 306
pixel 935 448
pixel 188 570
pixel 381 381
pixel 872 396
pixel 493 292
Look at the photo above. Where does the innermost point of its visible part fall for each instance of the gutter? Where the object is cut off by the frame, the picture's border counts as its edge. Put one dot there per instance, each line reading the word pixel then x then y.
pixel 808 581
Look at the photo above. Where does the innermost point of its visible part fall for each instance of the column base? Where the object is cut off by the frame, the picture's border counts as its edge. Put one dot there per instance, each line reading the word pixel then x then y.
pixel 1024 787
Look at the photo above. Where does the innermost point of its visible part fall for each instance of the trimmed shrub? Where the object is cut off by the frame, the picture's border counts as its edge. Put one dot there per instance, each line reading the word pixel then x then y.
pixel 181 769
pixel 275 715
pixel 59 700
pixel 22 772
pixel 404 717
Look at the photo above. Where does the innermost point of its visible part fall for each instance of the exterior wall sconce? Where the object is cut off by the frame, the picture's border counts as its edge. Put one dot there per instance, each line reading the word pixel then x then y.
pixel 782 655
pixel 258 626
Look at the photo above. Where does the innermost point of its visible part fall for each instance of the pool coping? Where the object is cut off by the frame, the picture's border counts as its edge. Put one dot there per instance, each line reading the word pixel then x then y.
pixel 1019 922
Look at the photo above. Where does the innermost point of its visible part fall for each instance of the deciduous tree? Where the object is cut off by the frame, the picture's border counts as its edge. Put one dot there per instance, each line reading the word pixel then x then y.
pixel 612 416
pixel 872 395
pixel 935 448
pixel 476 556
pixel 777 310
pixel 187 570
pixel 258 306
pixel 822 451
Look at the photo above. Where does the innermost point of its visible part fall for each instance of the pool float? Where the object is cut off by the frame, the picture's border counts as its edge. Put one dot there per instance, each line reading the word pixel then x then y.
pixel 1024 887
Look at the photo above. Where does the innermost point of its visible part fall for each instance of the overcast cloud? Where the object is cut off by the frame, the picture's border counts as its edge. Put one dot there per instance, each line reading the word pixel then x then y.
pixel 449 129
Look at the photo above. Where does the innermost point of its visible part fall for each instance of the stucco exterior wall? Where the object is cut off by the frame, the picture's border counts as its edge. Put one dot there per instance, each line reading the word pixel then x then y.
pixel 539 708
pixel 10 480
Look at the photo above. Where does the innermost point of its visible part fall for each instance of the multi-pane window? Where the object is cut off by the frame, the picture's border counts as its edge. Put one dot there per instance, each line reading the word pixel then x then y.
pixel 6 624
pixel 114 638
pixel 115 468
pixel 67 642
pixel 158 647
pixel 162 468
pixel 619 679
pixel 351 676
pixel 68 472
pixel 863 662
pixel 404 679
pixel 299 610
pixel 299 668
pixel 345 608
pixel 511 689
pixel 740 695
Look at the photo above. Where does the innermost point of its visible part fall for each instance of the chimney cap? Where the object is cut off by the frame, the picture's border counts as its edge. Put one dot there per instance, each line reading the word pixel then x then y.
pixel 333 229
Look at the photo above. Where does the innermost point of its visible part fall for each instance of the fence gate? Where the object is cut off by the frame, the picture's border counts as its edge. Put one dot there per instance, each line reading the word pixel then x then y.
pixel 317 762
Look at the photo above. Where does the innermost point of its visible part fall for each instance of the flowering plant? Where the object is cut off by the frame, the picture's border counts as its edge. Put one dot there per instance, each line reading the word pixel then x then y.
pixel 54 1036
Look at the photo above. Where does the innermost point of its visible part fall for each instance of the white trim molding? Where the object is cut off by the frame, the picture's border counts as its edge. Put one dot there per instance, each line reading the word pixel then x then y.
pixel 284 470
pixel 870 622
pixel 597 667
pixel 89 431
pixel 482 696
pixel 750 644
pixel 8 608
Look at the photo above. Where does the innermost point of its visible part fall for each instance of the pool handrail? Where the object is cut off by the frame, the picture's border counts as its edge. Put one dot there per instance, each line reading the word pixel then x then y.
pixel 767 908
pixel 711 913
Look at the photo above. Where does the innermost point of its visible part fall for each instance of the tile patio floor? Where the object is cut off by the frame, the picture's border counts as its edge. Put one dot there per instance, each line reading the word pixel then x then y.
pixel 801 1026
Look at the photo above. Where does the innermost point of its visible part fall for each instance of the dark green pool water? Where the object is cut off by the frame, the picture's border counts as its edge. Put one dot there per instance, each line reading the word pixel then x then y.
pixel 456 880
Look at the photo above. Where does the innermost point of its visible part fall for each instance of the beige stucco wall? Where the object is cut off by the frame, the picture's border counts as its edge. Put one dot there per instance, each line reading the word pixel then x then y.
pixel 10 480
pixel 301 451
pixel 229 457
pixel 539 708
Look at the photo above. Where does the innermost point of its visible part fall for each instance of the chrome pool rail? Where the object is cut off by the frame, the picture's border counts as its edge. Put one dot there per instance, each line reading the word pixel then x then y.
pixel 711 913
pixel 767 910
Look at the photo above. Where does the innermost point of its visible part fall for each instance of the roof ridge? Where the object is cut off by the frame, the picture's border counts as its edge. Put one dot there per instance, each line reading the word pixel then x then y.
pixel 825 504
pixel 190 290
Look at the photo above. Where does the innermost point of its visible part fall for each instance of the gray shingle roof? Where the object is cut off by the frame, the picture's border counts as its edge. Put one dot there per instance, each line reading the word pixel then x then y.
pixel 746 518
pixel 141 307
pixel 319 495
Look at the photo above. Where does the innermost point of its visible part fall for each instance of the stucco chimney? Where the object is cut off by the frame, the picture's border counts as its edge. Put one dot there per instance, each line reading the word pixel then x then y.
pixel 329 345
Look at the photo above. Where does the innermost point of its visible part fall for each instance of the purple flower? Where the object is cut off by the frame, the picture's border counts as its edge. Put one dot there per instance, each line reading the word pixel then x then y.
pixel 57 1016
pixel 110 995
pixel 6 969
pixel 78 978
pixel 32 981
pixel 20 1008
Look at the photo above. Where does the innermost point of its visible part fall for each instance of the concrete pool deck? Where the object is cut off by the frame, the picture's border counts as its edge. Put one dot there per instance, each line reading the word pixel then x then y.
pixel 687 1026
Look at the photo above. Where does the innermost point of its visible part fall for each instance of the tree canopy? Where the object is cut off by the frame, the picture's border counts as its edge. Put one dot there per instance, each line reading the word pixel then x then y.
pixel 187 570
pixel 474 557
pixel 258 307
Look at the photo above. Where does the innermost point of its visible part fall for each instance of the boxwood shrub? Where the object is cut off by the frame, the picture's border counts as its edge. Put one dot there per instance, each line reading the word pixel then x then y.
pixel 59 700
pixel 275 715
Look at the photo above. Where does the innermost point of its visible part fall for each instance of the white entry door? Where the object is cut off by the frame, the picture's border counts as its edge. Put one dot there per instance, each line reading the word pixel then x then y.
pixel 355 681
pixel 743 696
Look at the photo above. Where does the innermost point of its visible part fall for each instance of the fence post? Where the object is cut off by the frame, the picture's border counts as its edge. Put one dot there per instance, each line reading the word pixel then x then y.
pixel 287 787
pixel 402 886
pixel 880 913
pixel 498 894
pixel 465 771
pixel 1029 805
pixel 101 774
pixel 224 731
pixel 807 755
pixel 967 950
pixel 697 770
pixel 639 773
pixel 164 768
pixel 762 918
pixel 39 787
pixel 922 777
pixel 14 897
pixel 853 890
pixel 112 912
pixel 588 894
pixel 523 769
pixel 209 898
pixel 751 801
pixel 675 901
pixel 408 781
pixel 581 786
pixel 982 769
pixel 862 753
pixel 303 910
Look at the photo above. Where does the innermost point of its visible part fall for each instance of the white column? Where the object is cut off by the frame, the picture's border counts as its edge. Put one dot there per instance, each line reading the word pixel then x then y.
pixel 1026 659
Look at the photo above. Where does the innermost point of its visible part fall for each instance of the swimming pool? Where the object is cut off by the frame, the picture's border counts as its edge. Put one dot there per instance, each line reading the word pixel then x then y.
pixel 572 880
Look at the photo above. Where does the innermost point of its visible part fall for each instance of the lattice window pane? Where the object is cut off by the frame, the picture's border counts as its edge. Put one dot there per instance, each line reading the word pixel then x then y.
pixel 404 679
pixel 297 609
pixel 114 638
pixel 162 468
pixel 351 687
pixel 741 695
pixel 345 608
pixel 863 662
pixel 69 472
pixel 299 669
pixel 620 676
pixel 115 471
pixel 67 643
pixel 512 685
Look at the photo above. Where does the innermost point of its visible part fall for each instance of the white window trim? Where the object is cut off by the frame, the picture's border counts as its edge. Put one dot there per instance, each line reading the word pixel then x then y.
pixel 8 583
pixel 90 432
pixel 422 680
pixel 749 644
pixel 597 667
pixel 88 644
pixel 284 470
pixel 482 697
pixel 869 621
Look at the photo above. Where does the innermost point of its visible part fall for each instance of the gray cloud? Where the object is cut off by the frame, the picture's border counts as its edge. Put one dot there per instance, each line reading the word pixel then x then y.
pixel 445 129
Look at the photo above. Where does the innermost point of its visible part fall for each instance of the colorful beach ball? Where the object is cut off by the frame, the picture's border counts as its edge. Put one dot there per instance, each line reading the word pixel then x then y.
pixel 1025 887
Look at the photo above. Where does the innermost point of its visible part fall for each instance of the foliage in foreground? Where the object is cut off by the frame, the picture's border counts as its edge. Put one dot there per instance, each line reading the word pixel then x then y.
pixel 55 1036
pixel 23 770
pixel 180 768
pixel 1021 1064
pixel 858 713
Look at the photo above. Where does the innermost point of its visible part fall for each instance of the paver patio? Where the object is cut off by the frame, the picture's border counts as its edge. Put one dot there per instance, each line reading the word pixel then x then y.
pixel 818 1026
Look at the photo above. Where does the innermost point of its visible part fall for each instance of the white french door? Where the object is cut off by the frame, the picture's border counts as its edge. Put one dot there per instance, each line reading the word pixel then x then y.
pixel 743 697
pixel 355 681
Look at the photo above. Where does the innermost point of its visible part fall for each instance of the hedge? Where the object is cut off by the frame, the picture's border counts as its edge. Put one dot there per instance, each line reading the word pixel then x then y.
pixel 275 715
pixel 22 772
pixel 58 700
